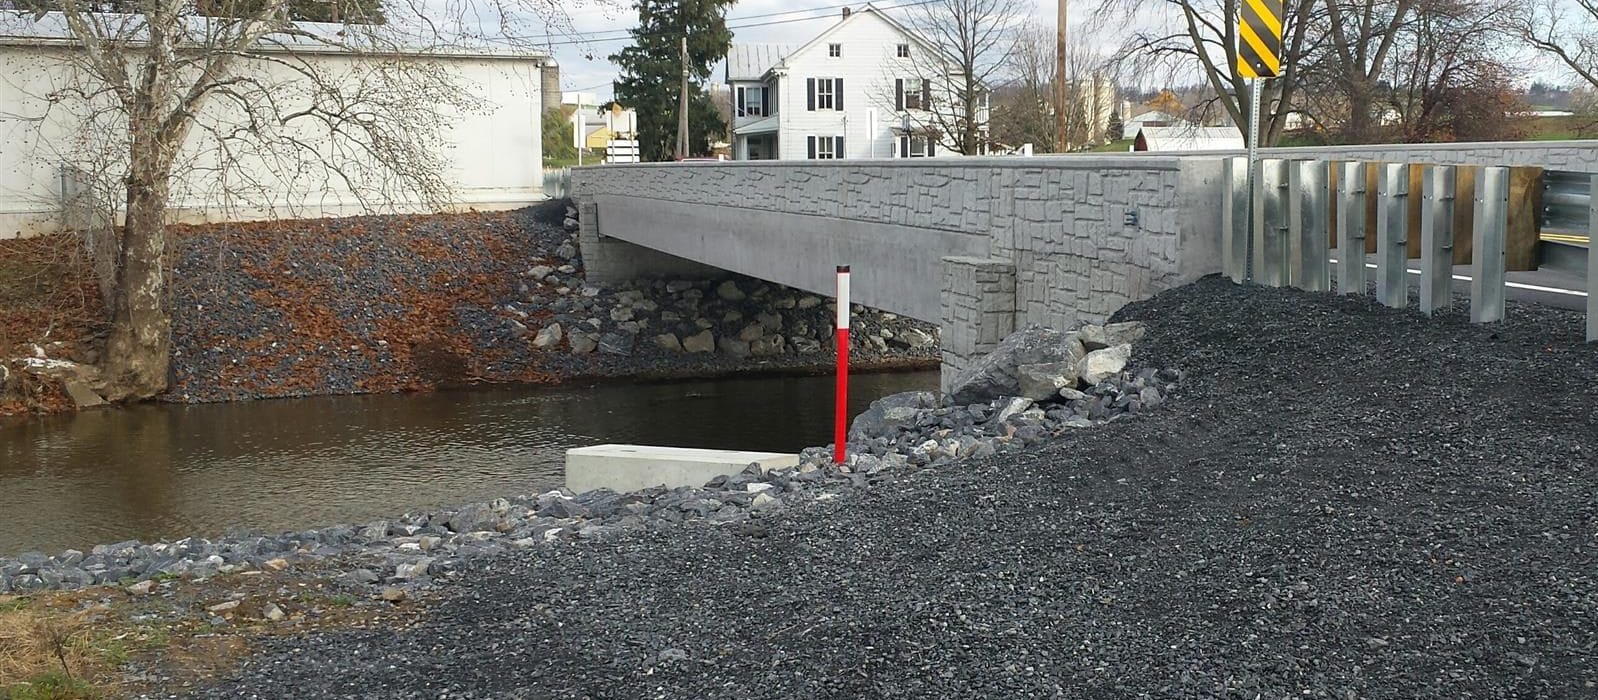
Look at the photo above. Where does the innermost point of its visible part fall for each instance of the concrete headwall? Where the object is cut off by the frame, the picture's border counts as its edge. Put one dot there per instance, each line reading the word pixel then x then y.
pixel 980 245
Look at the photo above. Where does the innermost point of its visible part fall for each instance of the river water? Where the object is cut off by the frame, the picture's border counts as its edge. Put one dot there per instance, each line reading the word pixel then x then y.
pixel 169 471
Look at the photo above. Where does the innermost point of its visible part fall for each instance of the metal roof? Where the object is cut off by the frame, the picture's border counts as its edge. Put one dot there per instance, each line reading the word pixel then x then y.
pixel 751 61
pixel 1188 138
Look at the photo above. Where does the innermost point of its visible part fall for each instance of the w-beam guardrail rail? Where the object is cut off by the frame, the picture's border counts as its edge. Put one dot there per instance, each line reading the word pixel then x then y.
pixel 1567 202
pixel 1294 241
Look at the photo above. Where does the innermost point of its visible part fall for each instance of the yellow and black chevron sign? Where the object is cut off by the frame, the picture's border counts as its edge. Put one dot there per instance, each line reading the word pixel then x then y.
pixel 1259 38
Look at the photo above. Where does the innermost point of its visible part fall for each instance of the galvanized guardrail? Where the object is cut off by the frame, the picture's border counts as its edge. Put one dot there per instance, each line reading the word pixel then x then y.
pixel 1567 201
pixel 1278 234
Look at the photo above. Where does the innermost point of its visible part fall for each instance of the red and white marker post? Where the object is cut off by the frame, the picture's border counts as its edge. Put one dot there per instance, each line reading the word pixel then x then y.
pixel 840 433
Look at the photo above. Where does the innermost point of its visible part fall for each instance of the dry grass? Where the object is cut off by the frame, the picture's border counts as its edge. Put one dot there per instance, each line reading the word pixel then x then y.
pixel 48 653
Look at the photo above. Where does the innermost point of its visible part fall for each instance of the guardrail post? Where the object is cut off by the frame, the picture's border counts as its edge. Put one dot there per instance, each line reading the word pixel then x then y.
pixel 1487 243
pixel 1309 264
pixel 1437 239
pixel 1392 235
pixel 1234 219
pixel 1351 229
pixel 1592 263
pixel 1270 236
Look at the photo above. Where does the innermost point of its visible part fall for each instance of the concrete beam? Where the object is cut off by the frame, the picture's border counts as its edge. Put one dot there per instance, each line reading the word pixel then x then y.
pixel 623 468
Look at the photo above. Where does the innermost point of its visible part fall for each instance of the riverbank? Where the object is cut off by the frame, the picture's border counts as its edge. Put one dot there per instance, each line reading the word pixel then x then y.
pixel 415 303
pixel 1343 500
pixel 1372 517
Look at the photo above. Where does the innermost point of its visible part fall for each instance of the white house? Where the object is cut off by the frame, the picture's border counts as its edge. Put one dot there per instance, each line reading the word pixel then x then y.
pixel 858 90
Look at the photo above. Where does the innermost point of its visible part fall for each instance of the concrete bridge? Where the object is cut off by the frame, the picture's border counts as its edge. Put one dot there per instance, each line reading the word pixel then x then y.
pixel 980 246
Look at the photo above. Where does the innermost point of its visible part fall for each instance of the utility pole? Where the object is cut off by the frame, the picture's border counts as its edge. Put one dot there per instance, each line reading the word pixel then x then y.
pixel 1062 140
pixel 682 106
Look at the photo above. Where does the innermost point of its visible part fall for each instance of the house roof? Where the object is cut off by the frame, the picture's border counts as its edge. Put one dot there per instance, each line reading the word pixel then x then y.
pixel 870 9
pixel 751 61
pixel 1189 138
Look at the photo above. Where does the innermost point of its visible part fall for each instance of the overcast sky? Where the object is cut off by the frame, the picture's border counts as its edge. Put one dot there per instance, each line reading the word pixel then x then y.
pixel 585 66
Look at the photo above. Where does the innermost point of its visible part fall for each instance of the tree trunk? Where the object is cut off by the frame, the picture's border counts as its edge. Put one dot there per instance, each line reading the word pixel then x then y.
pixel 139 349
pixel 1360 101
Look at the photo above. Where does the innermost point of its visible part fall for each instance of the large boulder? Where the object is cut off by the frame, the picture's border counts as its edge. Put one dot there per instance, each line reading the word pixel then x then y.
pixel 1096 337
pixel 1102 364
pixel 703 341
pixel 998 374
pixel 1043 382
pixel 887 415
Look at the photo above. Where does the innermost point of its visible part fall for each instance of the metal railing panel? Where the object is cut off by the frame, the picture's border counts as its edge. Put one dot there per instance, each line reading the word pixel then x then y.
pixel 1487 255
pixel 1437 239
pixel 1392 234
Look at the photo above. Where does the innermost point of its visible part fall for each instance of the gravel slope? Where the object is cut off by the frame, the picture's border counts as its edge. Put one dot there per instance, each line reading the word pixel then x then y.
pixel 1343 501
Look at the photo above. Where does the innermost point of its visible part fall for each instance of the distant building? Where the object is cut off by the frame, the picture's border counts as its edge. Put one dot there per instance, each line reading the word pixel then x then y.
pixel 1130 125
pixel 854 91
pixel 1188 138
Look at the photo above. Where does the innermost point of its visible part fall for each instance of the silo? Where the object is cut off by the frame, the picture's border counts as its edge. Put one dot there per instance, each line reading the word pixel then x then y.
pixel 550 84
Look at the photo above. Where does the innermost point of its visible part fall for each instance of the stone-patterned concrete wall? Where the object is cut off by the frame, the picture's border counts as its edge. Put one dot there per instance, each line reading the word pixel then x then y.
pixel 1083 234
pixel 978 310
pixel 609 261
pixel 1087 233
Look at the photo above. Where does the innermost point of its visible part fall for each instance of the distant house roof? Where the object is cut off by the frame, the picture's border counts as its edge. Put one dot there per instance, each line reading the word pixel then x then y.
pixel 1188 138
pixel 751 61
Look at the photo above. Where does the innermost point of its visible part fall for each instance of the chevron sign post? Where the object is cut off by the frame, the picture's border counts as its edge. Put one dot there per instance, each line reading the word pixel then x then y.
pixel 1259 56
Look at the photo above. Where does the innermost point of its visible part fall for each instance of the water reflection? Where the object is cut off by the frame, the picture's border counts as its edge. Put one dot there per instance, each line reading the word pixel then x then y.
pixel 169 470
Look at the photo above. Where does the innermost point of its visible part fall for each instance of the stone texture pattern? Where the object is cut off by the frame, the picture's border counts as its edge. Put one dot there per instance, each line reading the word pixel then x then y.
pixel 1084 234
pixel 978 310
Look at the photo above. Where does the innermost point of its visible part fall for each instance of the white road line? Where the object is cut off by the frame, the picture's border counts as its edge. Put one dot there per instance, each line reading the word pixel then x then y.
pixel 1516 285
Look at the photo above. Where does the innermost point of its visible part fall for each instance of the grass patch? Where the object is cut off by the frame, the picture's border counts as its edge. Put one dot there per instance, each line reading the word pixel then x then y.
pixel 1117 146
pixel 52 685
pixel 47 653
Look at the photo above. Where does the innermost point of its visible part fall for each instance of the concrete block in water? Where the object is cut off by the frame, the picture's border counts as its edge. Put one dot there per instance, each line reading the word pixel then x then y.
pixel 623 468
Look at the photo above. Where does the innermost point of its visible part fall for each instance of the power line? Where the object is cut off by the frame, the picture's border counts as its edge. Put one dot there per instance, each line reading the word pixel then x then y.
pixel 578 35
pixel 793 20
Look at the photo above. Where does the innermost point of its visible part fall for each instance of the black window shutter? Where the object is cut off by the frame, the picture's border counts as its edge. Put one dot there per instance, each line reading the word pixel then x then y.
pixel 837 147
pixel 765 102
pixel 810 97
pixel 904 146
pixel 740 102
pixel 926 93
pixel 898 94
pixel 811 142
pixel 837 94
pixel 932 146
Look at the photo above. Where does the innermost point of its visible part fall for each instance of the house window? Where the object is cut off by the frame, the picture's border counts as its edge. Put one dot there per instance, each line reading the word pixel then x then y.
pixel 825 147
pixel 908 97
pixel 751 102
pixel 917 146
pixel 826 98
pixel 835 50
pixel 904 51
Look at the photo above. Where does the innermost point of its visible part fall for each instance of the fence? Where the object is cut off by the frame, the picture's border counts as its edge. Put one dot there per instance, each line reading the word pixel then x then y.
pixel 1486 217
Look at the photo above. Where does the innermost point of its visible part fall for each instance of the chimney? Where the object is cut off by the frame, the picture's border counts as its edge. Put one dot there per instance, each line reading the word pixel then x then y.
pixel 846 13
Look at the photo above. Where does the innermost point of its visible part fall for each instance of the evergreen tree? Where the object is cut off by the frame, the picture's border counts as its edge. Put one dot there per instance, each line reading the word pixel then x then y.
pixel 651 72
pixel 1113 131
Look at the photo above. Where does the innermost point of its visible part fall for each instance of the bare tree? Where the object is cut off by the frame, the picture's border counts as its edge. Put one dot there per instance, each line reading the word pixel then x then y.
pixel 1203 34
pixel 972 40
pixel 1450 80
pixel 1361 35
pixel 1023 105
pixel 230 86
pixel 1567 30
